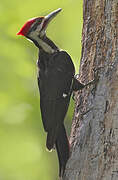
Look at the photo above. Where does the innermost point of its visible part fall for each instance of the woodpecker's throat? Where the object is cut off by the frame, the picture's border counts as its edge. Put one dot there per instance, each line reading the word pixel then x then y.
pixel 44 43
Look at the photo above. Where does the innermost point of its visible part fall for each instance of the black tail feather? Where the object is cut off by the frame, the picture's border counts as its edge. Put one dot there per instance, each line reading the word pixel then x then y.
pixel 62 146
pixel 51 138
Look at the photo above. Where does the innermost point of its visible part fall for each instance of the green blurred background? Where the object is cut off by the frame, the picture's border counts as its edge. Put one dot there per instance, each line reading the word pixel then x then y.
pixel 23 155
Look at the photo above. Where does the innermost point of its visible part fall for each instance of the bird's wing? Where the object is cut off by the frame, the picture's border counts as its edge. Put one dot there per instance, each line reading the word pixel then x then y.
pixel 54 86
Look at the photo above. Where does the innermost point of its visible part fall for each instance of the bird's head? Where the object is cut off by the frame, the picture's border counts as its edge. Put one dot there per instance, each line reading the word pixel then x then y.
pixel 36 27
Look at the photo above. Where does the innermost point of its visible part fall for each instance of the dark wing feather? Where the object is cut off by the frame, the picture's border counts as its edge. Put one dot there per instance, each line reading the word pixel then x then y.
pixel 54 81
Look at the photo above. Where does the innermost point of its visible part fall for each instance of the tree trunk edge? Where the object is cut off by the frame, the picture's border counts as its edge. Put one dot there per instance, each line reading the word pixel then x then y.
pixel 94 134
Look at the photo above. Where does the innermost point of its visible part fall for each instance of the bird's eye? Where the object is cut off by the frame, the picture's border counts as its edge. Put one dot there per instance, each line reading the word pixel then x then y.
pixel 35 25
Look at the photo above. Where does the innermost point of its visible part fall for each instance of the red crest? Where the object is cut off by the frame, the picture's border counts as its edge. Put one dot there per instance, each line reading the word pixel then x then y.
pixel 24 30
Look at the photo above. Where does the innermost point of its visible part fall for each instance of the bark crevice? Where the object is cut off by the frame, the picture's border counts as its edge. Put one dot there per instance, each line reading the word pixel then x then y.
pixel 94 135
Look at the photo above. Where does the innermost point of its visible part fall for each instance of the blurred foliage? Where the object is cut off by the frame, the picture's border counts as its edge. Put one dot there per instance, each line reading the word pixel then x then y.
pixel 22 139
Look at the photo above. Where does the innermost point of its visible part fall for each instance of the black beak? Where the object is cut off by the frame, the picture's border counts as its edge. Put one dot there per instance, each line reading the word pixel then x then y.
pixel 50 16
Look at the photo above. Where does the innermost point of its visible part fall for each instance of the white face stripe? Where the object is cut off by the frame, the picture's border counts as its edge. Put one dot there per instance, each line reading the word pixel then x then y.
pixel 36 34
pixel 39 27
pixel 46 47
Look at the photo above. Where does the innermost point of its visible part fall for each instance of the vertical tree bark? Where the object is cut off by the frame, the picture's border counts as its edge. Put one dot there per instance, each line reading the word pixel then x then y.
pixel 94 135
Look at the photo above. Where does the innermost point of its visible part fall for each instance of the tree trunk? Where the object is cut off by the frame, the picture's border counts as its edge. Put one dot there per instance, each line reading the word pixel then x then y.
pixel 94 134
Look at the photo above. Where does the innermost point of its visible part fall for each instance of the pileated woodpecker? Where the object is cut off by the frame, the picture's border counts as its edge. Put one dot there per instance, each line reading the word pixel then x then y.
pixel 56 83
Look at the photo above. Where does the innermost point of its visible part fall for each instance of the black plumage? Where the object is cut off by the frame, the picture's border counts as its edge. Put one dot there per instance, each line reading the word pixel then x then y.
pixel 56 72
pixel 56 83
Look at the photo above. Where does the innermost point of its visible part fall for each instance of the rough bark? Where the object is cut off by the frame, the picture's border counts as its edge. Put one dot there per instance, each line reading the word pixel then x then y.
pixel 94 135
